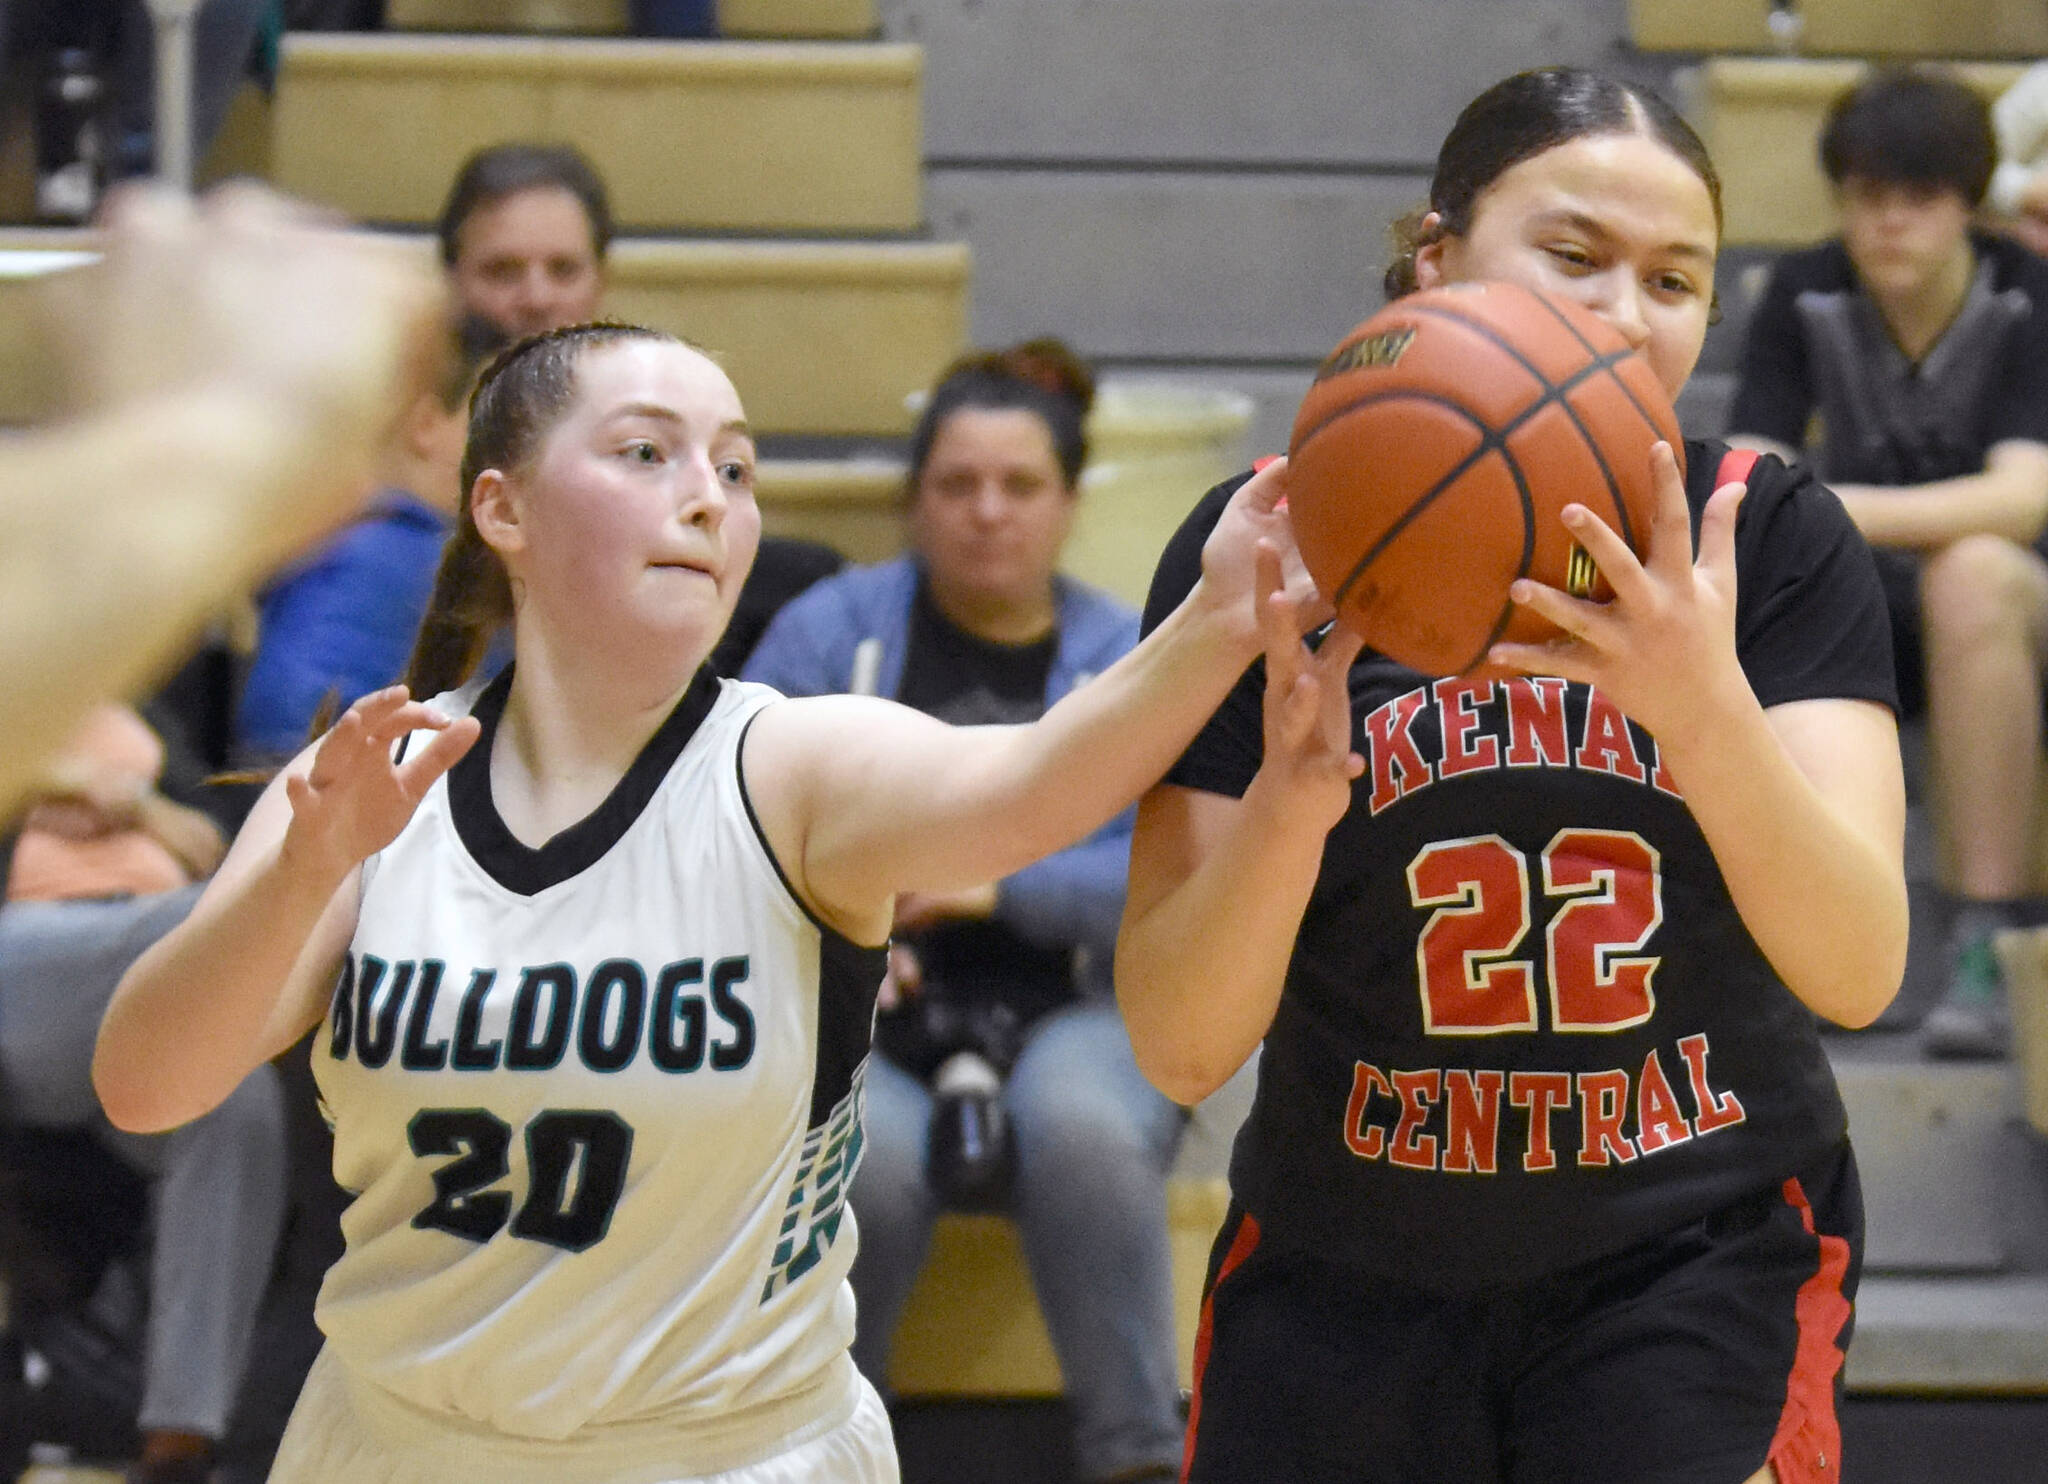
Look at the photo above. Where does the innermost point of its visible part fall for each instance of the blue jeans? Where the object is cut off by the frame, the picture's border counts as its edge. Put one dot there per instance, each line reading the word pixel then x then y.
pixel 1094 1143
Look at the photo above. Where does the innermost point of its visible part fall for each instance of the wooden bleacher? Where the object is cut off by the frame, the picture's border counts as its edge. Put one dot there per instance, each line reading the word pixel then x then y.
pixel 1940 29
pixel 842 19
pixel 729 136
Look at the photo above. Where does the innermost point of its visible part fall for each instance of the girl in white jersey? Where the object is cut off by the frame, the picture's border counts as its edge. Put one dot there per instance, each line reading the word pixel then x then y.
pixel 597 951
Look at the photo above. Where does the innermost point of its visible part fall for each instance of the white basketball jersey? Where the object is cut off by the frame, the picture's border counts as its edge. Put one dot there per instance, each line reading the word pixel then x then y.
pixel 600 1102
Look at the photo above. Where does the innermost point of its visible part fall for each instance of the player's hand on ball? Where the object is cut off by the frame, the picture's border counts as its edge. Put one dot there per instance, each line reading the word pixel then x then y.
pixel 355 799
pixel 1308 765
pixel 1664 649
pixel 1255 516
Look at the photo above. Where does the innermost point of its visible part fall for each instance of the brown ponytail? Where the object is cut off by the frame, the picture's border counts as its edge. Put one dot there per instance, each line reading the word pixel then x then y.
pixel 517 401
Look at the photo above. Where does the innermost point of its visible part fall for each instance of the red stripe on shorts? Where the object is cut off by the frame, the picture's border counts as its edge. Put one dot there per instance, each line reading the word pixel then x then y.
pixel 1241 1247
pixel 1807 1448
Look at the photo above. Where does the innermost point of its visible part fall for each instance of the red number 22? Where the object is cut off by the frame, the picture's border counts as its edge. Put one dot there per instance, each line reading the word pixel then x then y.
pixel 1472 982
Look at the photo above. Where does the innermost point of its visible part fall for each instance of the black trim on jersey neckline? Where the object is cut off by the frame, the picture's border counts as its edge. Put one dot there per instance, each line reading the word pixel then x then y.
pixel 525 869
pixel 739 768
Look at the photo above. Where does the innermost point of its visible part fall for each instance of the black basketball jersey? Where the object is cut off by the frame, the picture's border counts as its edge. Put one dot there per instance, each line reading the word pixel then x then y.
pixel 1523 1024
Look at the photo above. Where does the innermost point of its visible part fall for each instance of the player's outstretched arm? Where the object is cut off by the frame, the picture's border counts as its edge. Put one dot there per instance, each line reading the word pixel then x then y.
pixel 862 799
pixel 1218 885
pixel 1803 805
pixel 232 369
pixel 250 970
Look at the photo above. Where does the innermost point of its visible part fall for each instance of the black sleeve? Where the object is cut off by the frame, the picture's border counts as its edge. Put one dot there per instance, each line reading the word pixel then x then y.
pixel 1810 618
pixel 2020 407
pixel 1226 753
pixel 1773 390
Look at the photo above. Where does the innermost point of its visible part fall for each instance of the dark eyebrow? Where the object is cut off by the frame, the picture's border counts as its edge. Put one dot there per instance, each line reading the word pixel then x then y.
pixel 1597 230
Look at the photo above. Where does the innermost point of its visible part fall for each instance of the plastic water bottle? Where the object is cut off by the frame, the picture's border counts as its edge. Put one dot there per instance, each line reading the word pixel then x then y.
pixel 70 153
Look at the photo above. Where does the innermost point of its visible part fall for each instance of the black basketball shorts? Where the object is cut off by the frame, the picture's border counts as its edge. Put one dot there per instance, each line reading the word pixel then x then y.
pixel 1691 1359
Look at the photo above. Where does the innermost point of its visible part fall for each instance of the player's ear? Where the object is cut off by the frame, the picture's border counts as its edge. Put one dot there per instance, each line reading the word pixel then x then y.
pixel 1430 242
pixel 495 509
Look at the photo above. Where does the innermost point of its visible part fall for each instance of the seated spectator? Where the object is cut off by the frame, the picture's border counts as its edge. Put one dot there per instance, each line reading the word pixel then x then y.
pixel 1909 359
pixel 340 624
pixel 975 626
pixel 104 867
pixel 524 233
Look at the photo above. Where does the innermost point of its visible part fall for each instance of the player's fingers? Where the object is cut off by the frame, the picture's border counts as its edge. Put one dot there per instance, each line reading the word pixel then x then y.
pixel 1671 526
pixel 413 716
pixel 1337 653
pixel 1717 531
pixel 1267 488
pixel 1616 562
pixel 443 751
pixel 1587 622
pixel 1563 658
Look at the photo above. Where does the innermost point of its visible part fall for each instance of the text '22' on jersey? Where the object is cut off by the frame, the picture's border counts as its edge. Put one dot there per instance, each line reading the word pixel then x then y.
pixel 1523 1024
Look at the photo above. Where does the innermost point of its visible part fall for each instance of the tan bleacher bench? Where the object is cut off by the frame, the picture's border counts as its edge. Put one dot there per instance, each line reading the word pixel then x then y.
pixel 753 18
pixel 2016 29
pixel 822 338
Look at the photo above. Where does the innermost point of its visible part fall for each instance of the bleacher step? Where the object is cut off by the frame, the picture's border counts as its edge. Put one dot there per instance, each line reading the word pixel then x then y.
pixel 1931 1143
pixel 1951 1335
pixel 852 505
pixel 2016 29
pixel 820 337
pixel 740 136
pixel 750 18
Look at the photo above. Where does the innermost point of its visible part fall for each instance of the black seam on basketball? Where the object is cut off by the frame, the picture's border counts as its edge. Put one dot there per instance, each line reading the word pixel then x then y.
pixel 1627 391
pixel 1528 553
pixel 1488 443
pixel 1557 390
pixel 1488 440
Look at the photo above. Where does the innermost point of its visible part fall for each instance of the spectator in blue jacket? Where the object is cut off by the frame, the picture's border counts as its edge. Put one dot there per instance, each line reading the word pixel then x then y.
pixel 975 626
pixel 341 623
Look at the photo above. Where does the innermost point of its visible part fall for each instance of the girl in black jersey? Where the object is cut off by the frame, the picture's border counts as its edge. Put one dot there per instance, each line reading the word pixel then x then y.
pixel 1547 1176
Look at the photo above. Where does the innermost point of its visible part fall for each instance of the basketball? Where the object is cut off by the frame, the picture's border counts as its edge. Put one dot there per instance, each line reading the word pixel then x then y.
pixel 1436 448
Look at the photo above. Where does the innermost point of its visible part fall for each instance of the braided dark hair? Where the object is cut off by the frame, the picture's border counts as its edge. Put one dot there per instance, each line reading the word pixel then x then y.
pixel 1519 118
pixel 518 400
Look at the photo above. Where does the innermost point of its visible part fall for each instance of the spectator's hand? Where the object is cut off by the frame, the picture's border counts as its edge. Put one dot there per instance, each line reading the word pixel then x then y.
pixel 187 833
pixel 1663 649
pixel 905 977
pixel 81 797
pixel 355 799
pixel 318 337
pixel 917 910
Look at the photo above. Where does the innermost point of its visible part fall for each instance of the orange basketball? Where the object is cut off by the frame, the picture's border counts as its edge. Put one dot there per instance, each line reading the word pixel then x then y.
pixel 1439 442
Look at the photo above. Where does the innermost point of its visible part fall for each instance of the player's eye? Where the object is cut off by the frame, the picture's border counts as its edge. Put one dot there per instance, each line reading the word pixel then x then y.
pixel 1674 285
pixel 736 472
pixel 643 451
pixel 1570 255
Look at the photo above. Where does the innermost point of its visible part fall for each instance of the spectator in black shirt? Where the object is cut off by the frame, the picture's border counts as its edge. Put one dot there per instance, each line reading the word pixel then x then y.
pixel 1909 359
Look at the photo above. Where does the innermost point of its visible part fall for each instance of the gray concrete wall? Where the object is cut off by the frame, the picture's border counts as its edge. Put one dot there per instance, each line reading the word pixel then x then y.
pixel 1203 187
